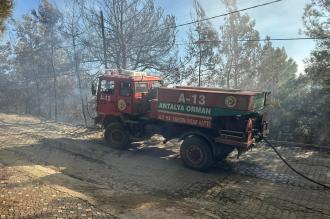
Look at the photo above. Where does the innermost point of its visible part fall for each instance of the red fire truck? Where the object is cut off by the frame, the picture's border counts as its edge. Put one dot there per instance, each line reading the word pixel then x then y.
pixel 211 122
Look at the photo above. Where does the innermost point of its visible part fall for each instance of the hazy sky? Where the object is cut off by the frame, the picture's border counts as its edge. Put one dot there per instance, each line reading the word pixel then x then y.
pixel 278 20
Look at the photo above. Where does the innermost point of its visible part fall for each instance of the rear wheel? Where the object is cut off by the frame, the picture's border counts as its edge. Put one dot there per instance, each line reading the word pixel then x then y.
pixel 116 136
pixel 196 153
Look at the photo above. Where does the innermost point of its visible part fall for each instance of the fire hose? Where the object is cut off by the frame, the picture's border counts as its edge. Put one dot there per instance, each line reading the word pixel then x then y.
pixel 292 168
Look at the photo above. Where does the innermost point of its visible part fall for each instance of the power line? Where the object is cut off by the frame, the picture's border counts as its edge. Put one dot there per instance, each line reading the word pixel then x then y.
pixel 288 39
pixel 196 42
pixel 216 16
pixel 266 39
pixel 226 14
pixel 255 40
pixel 201 20
pixel 209 18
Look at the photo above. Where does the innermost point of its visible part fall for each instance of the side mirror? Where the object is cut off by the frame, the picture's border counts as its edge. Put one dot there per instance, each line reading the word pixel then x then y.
pixel 93 89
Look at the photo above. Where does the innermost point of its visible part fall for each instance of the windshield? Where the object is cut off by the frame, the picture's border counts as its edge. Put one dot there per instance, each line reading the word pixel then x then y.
pixel 107 86
pixel 157 84
pixel 141 87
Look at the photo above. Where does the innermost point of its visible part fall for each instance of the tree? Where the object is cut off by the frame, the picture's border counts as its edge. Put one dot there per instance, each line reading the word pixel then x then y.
pixel 5 11
pixel 238 49
pixel 41 62
pixel 6 84
pixel 73 30
pixel 49 18
pixel 316 20
pixel 201 59
pixel 274 68
pixel 28 42
pixel 301 108
pixel 317 24
pixel 138 34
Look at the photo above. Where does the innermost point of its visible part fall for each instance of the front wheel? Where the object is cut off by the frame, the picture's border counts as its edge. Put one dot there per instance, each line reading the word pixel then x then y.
pixel 196 153
pixel 116 136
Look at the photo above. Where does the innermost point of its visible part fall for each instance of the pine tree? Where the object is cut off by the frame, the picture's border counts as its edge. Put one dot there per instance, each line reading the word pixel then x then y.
pixel 73 31
pixel 49 18
pixel 317 24
pixel 274 69
pixel 239 56
pixel 201 59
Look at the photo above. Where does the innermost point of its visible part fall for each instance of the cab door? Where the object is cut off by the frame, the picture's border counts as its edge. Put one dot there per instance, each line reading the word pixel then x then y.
pixel 124 101
pixel 106 97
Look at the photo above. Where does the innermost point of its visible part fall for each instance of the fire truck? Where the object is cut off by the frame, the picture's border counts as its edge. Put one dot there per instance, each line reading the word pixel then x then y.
pixel 210 122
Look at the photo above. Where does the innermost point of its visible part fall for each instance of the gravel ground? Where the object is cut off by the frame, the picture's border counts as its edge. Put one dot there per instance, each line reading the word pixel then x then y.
pixel 53 170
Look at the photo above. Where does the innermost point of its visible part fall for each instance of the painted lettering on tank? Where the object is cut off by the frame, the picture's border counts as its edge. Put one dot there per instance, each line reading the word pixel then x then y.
pixel 192 99
pixel 181 98
pixel 189 109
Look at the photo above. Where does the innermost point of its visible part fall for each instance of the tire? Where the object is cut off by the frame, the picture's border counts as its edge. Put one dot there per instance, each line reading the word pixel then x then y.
pixel 196 153
pixel 116 136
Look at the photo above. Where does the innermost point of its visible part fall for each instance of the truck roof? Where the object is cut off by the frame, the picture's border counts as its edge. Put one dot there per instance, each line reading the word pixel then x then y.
pixel 129 75
pixel 219 90
pixel 132 78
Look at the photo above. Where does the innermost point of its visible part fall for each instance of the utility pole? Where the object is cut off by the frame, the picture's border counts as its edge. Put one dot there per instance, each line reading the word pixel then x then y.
pixel 200 54
pixel 104 42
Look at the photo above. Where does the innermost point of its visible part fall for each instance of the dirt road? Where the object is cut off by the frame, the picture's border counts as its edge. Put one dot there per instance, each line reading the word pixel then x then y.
pixel 52 170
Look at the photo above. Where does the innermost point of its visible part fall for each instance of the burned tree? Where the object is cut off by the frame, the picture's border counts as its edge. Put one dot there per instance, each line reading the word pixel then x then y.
pixel 73 31
pixel 138 34
pixel 49 18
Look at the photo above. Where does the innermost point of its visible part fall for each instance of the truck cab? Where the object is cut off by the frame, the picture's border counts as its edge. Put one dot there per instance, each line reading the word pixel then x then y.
pixel 124 92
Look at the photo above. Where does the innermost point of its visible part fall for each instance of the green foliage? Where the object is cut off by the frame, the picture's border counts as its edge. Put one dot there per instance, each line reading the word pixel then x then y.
pixel 317 24
pixel 238 58
pixel 201 58
pixel 303 113
pixel 275 68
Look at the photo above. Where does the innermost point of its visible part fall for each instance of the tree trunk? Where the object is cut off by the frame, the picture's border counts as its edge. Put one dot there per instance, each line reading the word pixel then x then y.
pixel 49 95
pixel 200 57
pixel 123 40
pixel 229 71
pixel 54 82
pixel 235 75
pixel 38 98
pixel 37 88
pixel 76 65
pixel 26 93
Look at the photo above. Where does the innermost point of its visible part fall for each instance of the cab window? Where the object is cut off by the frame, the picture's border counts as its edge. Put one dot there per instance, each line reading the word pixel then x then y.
pixel 125 89
pixel 107 86
pixel 157 84
pixel 141 87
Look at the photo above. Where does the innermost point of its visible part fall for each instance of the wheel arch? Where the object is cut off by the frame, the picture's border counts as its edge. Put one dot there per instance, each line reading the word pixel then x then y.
pixel 110 119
